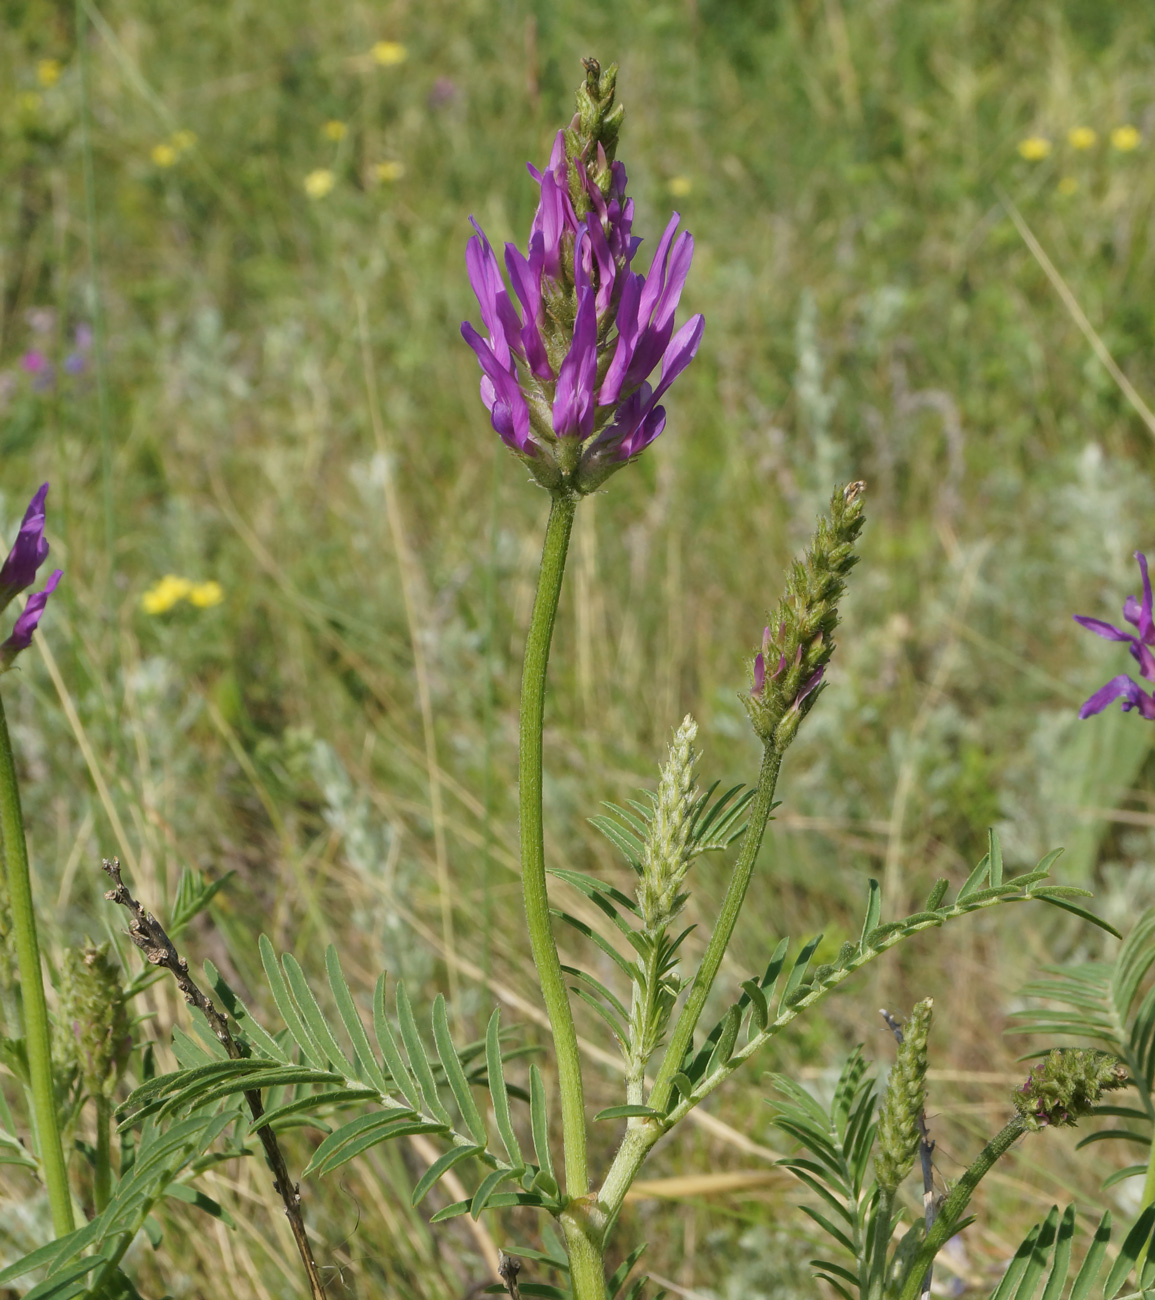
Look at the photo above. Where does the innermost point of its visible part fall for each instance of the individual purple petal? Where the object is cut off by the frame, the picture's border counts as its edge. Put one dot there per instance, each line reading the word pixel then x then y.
pixel 1107 630
pixel 28 553
pixel 505 400
pixel 1122 686
pixel 35 362
pixel 810 684
pixel 1143 623
pixel 655 280
pixel 573 403
pixel 1145 659
pixel 525 276
pixel 759 674
pixel 682 350
pixel 26 624
pixel 553 215
pixel 628 327
pixel 497 312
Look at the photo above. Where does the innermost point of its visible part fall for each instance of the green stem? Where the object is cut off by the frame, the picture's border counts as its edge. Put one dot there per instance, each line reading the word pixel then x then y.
pixel 102 1171
pixel 533 884
pixel 36 1033
pixel 683 1034
pixel 954 1205
pixel 1149 1181
pixel 583 1225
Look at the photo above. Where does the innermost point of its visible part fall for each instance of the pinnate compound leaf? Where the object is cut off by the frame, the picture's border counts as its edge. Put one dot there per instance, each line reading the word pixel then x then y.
pixel 458 1084
pixel 313 1016
pixel 394 1061
pixel 498 1093
pixel 539 1122
pixel 618 1279
pixel 439 1168
pixel 350 1017
pixel 418 1061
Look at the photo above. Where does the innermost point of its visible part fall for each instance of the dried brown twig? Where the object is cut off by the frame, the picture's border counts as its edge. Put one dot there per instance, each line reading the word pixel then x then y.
pixel 148 935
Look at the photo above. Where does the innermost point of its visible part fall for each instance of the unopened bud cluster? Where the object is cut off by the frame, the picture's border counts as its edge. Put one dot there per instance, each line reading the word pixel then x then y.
pixel 1067 1085
pixel 896 1145
pixel 95 1019
pixel 786 674
pixel 669 844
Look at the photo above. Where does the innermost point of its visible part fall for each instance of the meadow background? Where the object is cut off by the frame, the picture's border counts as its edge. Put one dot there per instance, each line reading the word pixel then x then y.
pixel 268 392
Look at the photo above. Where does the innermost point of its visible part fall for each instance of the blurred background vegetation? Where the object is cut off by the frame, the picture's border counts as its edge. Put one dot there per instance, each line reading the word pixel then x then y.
pixel 234 352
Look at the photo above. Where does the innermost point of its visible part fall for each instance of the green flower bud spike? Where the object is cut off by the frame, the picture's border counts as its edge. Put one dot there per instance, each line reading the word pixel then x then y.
pixel 95 1018
pixel 897 1144
pixel 668 846
pixel 786 674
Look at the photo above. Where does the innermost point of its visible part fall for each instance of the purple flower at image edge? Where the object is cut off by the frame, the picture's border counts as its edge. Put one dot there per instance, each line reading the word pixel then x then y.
pixel 1124 688
pixel 28 621
pixel 633 314
pixel 18 572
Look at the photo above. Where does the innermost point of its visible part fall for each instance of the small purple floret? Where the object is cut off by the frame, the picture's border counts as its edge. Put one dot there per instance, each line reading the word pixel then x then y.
pixel 28 553
pixel 1123 688
pixel 28 621
pixel 19 572
pixel 540 378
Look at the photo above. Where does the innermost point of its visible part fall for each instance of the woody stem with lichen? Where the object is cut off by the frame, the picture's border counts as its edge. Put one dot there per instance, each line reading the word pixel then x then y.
pixel 535 894
pixel 37 1039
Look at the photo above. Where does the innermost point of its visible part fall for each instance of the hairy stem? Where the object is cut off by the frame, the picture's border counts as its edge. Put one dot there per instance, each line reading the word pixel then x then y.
pixel 36 1032
pixel 687 1021
pixel 956 1203
pixel 584 1228
pixel 533 884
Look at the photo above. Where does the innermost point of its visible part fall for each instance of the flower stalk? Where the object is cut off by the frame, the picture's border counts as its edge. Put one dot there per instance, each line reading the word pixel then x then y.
pixel 535 894
pixel 37 1035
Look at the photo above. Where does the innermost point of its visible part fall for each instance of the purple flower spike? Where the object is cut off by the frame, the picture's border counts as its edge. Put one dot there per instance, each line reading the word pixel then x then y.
pixel 28 553
pixel 19 572
pixel 1123 688
pixel 568 355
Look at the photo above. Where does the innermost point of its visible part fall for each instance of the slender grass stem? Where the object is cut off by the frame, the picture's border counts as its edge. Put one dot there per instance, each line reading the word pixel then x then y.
pixel 687 1021
pixel 554 994
pixel 36 1032
pixel 96 301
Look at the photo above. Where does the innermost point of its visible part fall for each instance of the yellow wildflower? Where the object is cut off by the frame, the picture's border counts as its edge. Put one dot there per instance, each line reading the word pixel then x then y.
pixel 48 72
pixel 161 597
pixel 1067 186
pixel 205 594
pixel 679 186
pixel 1125 138
pixel 389 53
pixel 182 141
pixel 1082 137
pixel 164 155
pixel 389 171
pixel 29 103
pixel 1034 148
pixel 334 130
pixel 319 183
